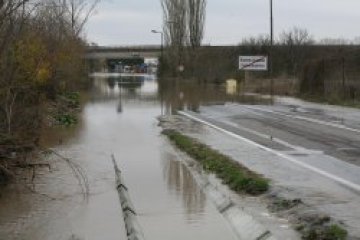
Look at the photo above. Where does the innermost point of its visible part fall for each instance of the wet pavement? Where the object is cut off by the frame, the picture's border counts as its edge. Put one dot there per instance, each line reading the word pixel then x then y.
pixel 280 127
pixel 320 194
pixel 308 153
pixel 119 119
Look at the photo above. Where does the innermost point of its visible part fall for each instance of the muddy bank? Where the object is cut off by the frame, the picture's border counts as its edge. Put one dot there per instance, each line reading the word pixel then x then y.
pixel 305 218
pixel 22 152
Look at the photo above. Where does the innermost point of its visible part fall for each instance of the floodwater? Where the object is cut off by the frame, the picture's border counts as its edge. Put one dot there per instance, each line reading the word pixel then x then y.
pixel 119 119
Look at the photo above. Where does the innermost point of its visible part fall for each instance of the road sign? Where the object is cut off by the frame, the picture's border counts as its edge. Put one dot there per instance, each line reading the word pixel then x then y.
pixel 253 63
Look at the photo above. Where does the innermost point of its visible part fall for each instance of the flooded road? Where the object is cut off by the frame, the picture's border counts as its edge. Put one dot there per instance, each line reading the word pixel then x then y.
pixel 119 119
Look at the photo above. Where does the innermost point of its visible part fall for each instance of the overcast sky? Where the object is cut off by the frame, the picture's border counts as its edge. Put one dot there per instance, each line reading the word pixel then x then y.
pixel 129 22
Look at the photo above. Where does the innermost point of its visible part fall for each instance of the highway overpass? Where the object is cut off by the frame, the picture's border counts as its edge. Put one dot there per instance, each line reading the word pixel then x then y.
pixel 122 52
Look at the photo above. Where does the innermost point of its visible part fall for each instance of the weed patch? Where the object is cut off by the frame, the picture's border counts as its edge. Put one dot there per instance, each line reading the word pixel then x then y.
pixel 320 227
pixel 280 204
pixel 333 232
pixel 65 108
pixel 72 99
pixel 66 119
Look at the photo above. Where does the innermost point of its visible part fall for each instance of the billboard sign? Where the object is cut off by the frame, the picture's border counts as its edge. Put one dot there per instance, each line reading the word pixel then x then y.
pixel 253 63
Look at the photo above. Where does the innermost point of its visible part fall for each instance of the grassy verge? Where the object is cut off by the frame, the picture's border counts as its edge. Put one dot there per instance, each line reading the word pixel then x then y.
pixel 243 180
pixel 237 177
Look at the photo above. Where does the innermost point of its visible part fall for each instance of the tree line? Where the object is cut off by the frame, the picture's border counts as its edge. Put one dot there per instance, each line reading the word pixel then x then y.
pixel 41 49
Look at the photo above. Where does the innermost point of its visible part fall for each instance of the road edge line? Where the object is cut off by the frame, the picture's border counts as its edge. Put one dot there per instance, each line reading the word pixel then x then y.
pixel 344 182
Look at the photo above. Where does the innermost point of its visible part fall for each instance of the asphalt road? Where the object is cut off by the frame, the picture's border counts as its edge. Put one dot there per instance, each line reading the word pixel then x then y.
pixel 293 127
pixel 310 151
pixel 321 136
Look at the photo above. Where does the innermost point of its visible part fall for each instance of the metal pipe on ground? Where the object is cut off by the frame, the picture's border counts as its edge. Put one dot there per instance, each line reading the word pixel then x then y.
pixel 133 229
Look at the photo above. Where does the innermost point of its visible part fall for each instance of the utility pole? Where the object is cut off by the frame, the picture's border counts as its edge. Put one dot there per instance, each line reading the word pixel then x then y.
pixel 271 49
pixel 271 23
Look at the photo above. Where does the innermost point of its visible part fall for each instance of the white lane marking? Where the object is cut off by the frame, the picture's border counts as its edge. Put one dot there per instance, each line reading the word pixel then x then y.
pixel 235 112
pixel 335 178
pixel 267 137
pixel 308 119
pixel 296 148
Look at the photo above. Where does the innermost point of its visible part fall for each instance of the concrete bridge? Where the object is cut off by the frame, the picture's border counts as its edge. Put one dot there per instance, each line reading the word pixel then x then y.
pixel 122 52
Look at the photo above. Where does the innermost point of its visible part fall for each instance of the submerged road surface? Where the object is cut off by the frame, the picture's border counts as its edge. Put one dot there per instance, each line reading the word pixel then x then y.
pixel 119 119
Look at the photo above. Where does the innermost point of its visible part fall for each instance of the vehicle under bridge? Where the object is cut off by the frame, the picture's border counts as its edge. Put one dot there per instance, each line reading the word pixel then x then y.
pixel 115 59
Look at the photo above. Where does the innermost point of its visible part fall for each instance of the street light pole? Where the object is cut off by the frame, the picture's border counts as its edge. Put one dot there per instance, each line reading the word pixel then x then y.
pixel 162 45
pixel 271 23
pixel 271 49
pixel 162 41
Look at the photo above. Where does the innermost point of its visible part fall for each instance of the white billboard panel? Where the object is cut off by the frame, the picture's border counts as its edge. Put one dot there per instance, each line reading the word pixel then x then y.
pixel 253 63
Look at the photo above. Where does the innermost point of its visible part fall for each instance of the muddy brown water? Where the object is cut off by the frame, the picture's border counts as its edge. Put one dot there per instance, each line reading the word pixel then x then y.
pixel 119 119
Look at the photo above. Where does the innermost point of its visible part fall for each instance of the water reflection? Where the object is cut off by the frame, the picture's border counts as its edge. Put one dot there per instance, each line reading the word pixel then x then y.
pixel 114 85
pixel 111 82
pixel 176 94
pixel 124 88
pixel 172 94
pixel 180 181
pixel 130 83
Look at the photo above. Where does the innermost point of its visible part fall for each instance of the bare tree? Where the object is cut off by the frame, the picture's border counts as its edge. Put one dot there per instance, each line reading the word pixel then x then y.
pixel 12 18
pixel 196 21
pixel 9 10
pixel 74 13
pixel 183 26
pixel 174 22
pixel 175 31
pixel 295 40
pixel 80 11
pixel 296 37
pixel 259 41
pixel 334 41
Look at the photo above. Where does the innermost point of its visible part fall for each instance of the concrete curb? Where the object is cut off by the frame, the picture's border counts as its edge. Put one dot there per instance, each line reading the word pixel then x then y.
pixel 243 224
